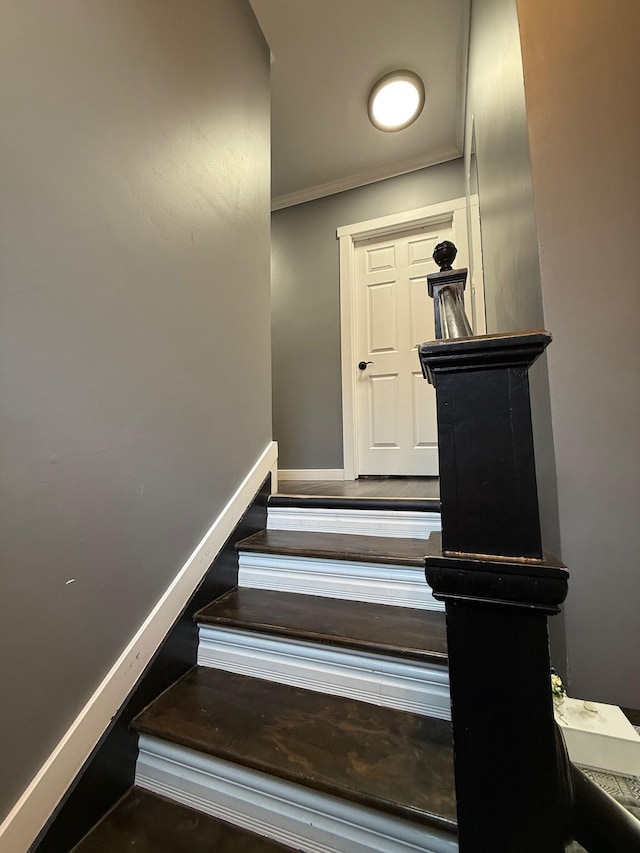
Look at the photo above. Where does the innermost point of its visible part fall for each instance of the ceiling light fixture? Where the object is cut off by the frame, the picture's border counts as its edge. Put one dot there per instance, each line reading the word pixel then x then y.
pixel 396 100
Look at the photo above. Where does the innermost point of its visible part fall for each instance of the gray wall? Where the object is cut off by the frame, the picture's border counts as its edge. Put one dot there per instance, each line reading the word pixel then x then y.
pixel 496 107
pixel 135 379
pixel 307 403
pixel 495 102
pixel 582 81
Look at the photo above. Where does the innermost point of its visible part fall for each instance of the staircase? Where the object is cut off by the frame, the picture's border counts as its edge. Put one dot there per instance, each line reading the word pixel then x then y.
pixel 317 718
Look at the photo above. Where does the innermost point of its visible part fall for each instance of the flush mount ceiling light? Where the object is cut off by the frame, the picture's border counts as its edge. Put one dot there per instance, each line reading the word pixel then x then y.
pixel 396 100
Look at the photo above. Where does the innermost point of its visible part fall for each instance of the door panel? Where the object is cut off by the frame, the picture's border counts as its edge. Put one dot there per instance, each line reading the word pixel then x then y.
pixel 425 433
pixel 421 311
pixel 383 408
pixel 421 250
pixel 381 317
pixel 383 258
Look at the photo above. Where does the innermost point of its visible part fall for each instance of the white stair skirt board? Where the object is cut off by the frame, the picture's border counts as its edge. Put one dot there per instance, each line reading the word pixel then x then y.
pixel 378 583
pixel 284 811
pixel 409 685
pixel 364 522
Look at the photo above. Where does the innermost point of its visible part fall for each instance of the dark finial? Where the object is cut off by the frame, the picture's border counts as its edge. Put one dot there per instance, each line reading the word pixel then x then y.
pixel 444 255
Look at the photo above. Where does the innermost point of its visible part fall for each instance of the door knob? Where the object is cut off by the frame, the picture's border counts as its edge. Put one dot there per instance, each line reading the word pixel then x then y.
pixel 363 364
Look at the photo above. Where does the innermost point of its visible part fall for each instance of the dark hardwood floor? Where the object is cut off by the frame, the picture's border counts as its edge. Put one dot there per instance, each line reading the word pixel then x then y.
pixel 392 760
pixel 342 546
pixel 365 487
pixel 146 823
pixel 379 628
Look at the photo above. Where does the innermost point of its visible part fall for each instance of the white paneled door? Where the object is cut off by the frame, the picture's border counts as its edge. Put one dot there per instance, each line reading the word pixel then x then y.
pixel 395 405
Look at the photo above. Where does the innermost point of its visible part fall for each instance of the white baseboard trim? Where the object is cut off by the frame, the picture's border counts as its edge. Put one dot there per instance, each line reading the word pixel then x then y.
pixel 26 819
pixel 274 477
pixel 362 522
pixel 405 684
pixel 404 586
pixel 288 813
pixel 311 474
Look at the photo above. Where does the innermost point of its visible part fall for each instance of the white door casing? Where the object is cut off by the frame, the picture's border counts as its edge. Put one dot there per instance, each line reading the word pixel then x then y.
pixel 389 424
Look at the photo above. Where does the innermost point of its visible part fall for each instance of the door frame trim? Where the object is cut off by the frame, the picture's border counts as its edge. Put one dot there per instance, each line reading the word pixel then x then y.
pixel 349 236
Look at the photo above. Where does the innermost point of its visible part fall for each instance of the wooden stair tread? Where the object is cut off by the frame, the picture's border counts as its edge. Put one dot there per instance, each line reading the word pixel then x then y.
pixel 378 487
pixel 393 760
pixel 379 628
pixel 353 503
pixel 147 823
pixel 342 546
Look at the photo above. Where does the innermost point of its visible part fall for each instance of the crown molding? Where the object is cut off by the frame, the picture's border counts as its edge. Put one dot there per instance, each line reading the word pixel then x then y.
pixel 371 176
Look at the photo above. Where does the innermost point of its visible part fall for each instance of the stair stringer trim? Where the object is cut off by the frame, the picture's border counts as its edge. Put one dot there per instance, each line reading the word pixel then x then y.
pixel 363 522
pixel 377 583
pixel 288 813
pixel 408 685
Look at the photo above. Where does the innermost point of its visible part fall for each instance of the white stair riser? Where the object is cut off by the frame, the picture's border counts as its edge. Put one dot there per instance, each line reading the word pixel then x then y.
pixel 403 586
pixel 288 813
pixel 407 685
pixel 394 523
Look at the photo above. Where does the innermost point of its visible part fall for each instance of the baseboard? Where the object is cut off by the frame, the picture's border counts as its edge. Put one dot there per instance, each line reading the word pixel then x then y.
pixel 377 583
pixel 418 686
pixel 311 474
pixel 385 522
pixel 299 817
pixel 24 822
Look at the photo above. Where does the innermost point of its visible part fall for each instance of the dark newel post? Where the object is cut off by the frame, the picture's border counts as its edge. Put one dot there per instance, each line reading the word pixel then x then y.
pixel 450 280
pixel 507 785
pixel 498 590
pixel 487 468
